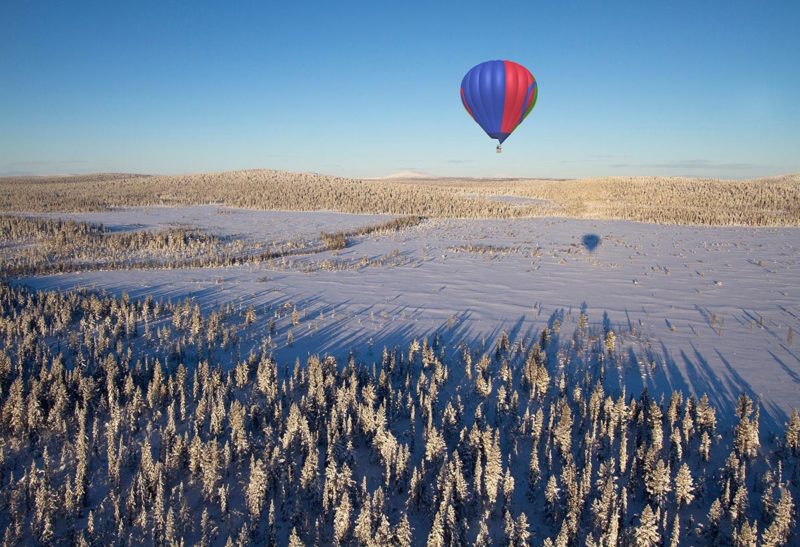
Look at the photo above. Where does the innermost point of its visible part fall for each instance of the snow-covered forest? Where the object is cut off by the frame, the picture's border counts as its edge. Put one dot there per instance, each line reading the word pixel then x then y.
pixel 119 426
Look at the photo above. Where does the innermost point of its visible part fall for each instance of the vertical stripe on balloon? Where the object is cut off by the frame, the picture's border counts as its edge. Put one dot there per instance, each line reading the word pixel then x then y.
pixel 517 95
pixel 464 102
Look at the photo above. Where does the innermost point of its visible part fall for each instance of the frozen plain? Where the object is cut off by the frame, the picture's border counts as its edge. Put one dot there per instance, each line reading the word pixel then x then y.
pixel 711 310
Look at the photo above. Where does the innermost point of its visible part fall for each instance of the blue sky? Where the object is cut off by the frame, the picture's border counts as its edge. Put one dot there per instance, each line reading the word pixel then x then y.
pixel 372 88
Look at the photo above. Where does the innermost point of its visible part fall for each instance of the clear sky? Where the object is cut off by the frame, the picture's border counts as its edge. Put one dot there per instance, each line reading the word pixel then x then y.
pixel 371 88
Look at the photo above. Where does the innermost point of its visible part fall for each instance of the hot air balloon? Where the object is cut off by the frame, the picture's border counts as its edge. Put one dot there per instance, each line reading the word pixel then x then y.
pixel 499 95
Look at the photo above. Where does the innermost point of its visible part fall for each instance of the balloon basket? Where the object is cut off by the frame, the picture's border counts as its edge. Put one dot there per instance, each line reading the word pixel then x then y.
pixel 499 149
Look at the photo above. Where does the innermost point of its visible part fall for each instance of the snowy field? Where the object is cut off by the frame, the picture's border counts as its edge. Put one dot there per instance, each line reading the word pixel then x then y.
pixel 706 310
pixel 226 221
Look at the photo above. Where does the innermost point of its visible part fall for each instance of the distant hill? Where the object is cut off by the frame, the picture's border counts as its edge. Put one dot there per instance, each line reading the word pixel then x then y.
pixel 406 175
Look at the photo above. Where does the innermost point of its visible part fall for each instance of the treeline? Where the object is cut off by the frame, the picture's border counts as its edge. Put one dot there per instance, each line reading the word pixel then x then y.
pixel 258 189
pixel 339 240
pixel 37 246
pixel 40 246
pixel 670 200
pixel 666 200
pixel 134 422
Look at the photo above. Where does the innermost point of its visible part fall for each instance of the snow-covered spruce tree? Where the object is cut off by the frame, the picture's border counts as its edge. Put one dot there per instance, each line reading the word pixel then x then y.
pixel 646 532
pixel 657 481
pixel 745 437
pixel 746 535
pixel 780 530
pixel 675 536
pixel 792 434
pixel 684 486
pixel 341 520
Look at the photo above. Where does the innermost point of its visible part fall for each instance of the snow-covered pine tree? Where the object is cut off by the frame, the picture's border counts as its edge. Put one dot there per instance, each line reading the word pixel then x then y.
pixel 646 533
pixel 780 530
pixel 792 435
pixel 684 486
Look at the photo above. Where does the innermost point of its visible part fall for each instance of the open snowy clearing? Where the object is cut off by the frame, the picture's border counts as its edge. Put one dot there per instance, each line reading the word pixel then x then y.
pixel 706 310
pixel 226 221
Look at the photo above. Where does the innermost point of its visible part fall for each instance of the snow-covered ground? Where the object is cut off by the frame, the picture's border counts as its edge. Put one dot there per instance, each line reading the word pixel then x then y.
pixel 707 310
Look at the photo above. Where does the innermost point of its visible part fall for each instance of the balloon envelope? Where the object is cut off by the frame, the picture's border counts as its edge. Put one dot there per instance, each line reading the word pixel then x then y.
pixel 499 95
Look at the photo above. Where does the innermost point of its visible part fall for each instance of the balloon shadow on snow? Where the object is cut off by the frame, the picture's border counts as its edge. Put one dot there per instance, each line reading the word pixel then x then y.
pixel 591 242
